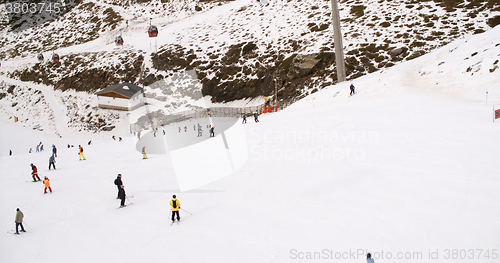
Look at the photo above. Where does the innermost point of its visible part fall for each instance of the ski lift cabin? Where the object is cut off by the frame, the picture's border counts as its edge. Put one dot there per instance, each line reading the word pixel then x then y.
pixel 153 31
pixel 119 41
pixel 55 58
pixel 40 57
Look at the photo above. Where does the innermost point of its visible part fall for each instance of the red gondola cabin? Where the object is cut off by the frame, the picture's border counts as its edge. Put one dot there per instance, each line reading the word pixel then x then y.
pixel 55 58
pixel 153 31
pixel 119 41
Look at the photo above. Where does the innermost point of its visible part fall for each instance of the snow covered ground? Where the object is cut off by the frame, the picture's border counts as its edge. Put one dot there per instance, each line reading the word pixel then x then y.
pixel 406 169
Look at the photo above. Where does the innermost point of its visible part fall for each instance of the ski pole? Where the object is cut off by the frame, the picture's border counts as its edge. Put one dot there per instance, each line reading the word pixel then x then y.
pixel 129 201
pixel 186 211
pixel 28 226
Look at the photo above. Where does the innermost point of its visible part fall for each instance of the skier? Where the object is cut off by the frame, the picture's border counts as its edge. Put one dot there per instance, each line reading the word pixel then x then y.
pixel 120 139
pixel 41 147
pixel 212 133
pixel 244 119
pixel 144 155
pixel 30 150
pixel 10 152
pixel 19 221
pixel 122 195
pixel 38 148
pixel 256 116
pixel 176 205
pixel 369 258
pixel 200 131
pixel 47 185
pixel 54 150
pixel 52 162
pixel 80 154
pixel 352 89
pixel 179 128
pixel 118 183
pixel 114 138
pixel 185 128
pixel 90 142
pixel 34 173
pixel 194 127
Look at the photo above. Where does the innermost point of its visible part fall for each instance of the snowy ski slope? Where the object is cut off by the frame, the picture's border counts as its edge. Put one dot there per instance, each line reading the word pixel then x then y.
pixel 406 168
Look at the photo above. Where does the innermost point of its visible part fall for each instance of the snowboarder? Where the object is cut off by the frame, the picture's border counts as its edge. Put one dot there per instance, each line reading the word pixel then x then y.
pixel 52 162
pixel 244 119
pixel 144 155
pixel 352 89
pixel 176 205
pixel 34 173
pixel 369 258
pixel 47 185
pixel 118 183
pixel 212 133
pixel 80 154
pixel 122 195
pixel 54 150
pixel 256 116
pixel 19 221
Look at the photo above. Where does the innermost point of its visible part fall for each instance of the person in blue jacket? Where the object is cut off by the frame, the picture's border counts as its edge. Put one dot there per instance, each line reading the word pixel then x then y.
pixel 369 258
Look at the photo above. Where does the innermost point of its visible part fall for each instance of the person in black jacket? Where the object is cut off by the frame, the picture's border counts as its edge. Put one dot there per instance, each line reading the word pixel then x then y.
pixel 118 183
pixel 352 89
pixel 121 195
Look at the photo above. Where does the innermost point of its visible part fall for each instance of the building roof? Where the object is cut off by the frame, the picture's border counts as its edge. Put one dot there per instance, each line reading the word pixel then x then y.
pixel 126 89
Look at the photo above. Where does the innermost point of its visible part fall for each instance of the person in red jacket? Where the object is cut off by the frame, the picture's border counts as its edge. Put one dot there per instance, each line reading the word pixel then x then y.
pixel 47 185
pixel 34 173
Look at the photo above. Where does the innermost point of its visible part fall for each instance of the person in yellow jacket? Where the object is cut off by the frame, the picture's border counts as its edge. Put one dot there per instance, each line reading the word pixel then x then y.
pixel 47 185
pixel 80 154
pixel 144 155
pixel 175 205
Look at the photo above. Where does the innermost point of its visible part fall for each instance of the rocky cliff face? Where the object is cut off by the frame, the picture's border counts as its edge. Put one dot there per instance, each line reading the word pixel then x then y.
pixel 256 49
